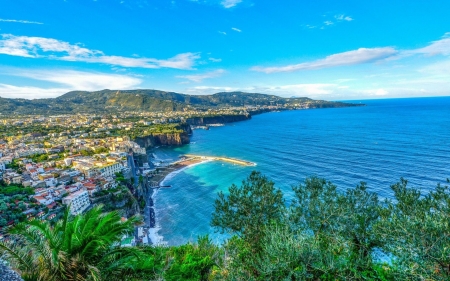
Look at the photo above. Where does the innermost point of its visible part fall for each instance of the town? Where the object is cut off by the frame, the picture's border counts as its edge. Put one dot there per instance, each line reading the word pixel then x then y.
pixel 50 163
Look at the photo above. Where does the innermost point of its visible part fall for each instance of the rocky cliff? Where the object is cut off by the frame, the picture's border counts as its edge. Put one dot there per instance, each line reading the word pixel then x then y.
pixel 157 139
pixel 163 139
pixel 200 121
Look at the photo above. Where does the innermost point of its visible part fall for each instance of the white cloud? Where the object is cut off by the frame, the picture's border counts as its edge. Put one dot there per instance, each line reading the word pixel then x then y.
pixel 439 47
pixel 343 18
pixel 309 26
pixel 215 60
pixel 209 90
pixel 200 77
pixel 328 22
pixel 362 55
pixel 236 29
pixel 20 21
pixel 222 32
pixel 438 68
pixel 230 3
pixel 25 92
pixel 65 80
pixel 78 80
pixel 303 90
pixel 38 47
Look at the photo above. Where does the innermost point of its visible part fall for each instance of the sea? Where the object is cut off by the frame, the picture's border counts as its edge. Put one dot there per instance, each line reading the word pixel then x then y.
pixel 379 144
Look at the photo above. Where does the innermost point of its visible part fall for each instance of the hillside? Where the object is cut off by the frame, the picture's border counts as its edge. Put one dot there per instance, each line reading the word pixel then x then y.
pixel 146 100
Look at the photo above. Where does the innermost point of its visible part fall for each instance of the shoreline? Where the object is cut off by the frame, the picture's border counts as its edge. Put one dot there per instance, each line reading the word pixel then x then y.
pixel 168 173
pixel 157 182
pixel 173 168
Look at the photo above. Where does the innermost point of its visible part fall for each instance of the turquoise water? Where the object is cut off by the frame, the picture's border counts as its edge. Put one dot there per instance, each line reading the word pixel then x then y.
pixel 377 143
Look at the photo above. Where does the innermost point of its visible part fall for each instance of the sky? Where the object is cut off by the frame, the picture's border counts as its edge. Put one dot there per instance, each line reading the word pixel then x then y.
pixel 332 50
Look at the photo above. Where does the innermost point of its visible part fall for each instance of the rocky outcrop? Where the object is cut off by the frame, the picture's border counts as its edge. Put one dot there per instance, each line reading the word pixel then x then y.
pixel 222 119
pixel 157 139
pixel 163 139
pixel 7 274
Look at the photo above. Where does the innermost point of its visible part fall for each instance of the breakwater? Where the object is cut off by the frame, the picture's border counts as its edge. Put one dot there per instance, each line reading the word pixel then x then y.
pixel 220 158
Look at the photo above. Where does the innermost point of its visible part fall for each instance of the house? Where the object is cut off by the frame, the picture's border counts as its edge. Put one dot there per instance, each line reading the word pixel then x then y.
pixel 44 199
pixel 12 178
pixel 110 169
pixel 78 202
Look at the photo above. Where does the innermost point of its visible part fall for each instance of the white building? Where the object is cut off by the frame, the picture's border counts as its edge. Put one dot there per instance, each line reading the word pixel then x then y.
pixel 110 170
pixel 78 201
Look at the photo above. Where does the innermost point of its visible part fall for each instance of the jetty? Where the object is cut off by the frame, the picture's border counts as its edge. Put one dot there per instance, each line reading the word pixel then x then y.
pixel 220 158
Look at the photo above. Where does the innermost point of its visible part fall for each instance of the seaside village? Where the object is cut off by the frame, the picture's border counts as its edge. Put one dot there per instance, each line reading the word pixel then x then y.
pixel 44 175
pixel 48 163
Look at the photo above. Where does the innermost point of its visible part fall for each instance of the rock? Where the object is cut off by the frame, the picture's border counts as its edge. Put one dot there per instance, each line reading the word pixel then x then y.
pixel 7 274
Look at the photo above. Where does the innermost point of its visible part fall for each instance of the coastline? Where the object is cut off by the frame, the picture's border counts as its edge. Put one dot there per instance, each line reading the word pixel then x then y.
pixel 168 173
pixel 174 168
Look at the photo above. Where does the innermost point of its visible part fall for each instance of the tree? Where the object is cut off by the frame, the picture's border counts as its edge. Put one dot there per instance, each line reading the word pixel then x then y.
pixel 249 208
pixel 316 207
pixel 83 247
pixel 246 212
pixel 415 228
pixel 192 262
pixel 337 218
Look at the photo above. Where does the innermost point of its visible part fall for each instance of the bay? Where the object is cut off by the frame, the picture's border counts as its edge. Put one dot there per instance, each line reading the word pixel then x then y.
pixel 378 143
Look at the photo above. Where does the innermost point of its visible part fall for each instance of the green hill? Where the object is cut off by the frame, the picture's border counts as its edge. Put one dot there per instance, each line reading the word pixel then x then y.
pixel 146 100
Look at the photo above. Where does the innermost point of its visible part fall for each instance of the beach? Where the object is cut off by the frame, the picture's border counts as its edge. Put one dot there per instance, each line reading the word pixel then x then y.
pixel 156 182
pixel 165 173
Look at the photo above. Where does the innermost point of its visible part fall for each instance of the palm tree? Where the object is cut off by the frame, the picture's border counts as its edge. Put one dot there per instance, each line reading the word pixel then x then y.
pixel 82 247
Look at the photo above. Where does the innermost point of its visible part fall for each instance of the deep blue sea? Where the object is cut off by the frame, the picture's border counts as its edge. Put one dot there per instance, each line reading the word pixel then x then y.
pixel 378 143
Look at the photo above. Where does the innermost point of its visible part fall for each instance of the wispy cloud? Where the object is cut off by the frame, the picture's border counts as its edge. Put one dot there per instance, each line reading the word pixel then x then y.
pixel 200 77
pixel 27 92
pixel 39 47
pixel 65 80
pixel 236 29
pixel 362 55
pixel 365 55
pixel 330 20
pixel 230 3
pixel 222 32
pixel 343 17
pixel 303 90
pixel 20 21
pixel 81 80
pixel 215 60
pixel 439 47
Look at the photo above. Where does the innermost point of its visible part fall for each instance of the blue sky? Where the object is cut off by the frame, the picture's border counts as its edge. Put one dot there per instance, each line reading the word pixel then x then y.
pixel 334 50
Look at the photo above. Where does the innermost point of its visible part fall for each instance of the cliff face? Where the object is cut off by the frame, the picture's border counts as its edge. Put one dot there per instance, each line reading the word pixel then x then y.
pixel 200 121
pixel 163 139
pixel 156 139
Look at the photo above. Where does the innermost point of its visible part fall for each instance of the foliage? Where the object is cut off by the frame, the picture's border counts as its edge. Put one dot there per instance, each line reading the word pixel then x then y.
pixel 76 248
pixel 108 101
pixel 249 208
pixel 325 234
pixel 13 201
pixel 416 231
pixel 192 261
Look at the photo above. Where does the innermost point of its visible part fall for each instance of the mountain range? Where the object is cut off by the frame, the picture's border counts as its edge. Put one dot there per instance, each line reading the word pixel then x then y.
pixel 109 101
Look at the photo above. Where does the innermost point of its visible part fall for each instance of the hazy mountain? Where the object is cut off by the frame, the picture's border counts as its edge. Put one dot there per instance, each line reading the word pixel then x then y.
pixel 144 100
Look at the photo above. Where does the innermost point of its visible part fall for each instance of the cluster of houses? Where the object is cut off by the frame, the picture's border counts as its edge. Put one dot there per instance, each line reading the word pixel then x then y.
pixel 71 177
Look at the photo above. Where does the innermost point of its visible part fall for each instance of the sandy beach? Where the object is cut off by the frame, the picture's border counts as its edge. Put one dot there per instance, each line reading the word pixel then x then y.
pixel 164 173
pixel 174 167
pixel 157 181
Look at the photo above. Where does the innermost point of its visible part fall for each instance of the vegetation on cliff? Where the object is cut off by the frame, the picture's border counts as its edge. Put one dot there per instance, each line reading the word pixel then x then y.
pixel 146 100
pixel 324 234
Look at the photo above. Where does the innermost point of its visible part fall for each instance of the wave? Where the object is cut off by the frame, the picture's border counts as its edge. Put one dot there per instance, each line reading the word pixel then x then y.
pixel 154 235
